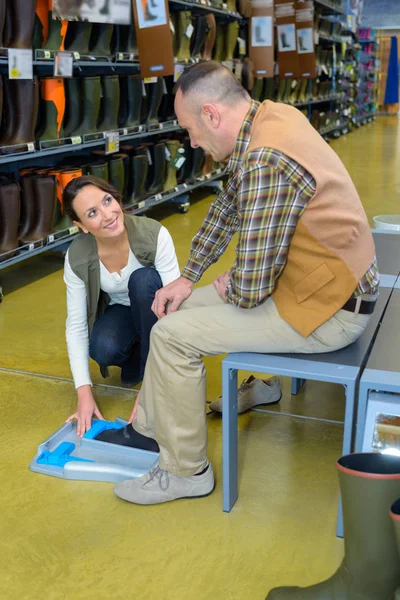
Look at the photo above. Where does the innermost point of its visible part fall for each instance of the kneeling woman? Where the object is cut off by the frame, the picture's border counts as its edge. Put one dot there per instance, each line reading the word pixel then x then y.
pixel 112 272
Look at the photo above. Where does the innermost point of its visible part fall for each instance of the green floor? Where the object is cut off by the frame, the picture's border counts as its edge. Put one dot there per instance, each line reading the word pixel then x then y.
pixel 76 540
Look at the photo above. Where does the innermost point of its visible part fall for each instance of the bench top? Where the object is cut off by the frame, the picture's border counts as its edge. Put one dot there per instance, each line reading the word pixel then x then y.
pixel 387 252
pixel 353 356
pixel 385 355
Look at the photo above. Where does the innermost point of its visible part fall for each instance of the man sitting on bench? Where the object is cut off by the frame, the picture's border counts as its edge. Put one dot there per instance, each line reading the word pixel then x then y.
pixel 304 278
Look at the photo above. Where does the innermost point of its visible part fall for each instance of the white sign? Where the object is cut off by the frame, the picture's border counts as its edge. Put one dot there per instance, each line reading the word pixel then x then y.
pixel 20 64
pixel 63 64
pixel 151 14
pixel 305 42
pixel 287 38
pixel 261 31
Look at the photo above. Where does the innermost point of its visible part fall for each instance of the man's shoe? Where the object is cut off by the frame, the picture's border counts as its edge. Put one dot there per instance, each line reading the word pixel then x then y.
pixel 161 486
pixel 253 392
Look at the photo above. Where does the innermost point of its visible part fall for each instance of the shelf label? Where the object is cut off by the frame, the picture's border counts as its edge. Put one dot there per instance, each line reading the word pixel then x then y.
pixel 112 141
pixel 77 56
pixel 47 54
pixel 141 204
pixel 31 147
pixel 150 80
pixel 178 70
pixel 63 64
pixel 73 230
pixel 158 197
pixel 76 140
pixel 20 64
pixel 50 238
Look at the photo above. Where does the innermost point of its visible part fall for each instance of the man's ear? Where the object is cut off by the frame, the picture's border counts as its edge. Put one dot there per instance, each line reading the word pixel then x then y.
pixel 211 115
pixel 81 227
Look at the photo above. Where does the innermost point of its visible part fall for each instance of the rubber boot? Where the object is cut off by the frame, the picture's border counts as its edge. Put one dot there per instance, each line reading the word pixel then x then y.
pixel 369 483
pixel 139 168
pixel 20 111
pixel 99 169
pixel 184 20
pixel 395 516
pixel 28 208
pixel 159 161
pixel 284 41
pixel 9 217
pixel 207 165
pixel 116 171
pixel 100 40
pixel 173 25
pixel 73 104
pixel 53 94
pixel 197 163
pixel 78 37
pixel 110 103
pixel 188 164
pixel 281 90
pixel 41 26
pixel 156 92
pixel 2 21
pixel 231 5
pixel 131 43
pixel 232 33
pixel 210 39
pixel 167 108
pixel 91 94
pixel 19 23
pixel 45 205
pixel 269 88
pixel 66 176
pixel 247 74
pixel 220 45
pixel 105 10
pixel 171 181
pixel 57 31
pixel 131 94
pixel 56 173
pixel 257 89
pixel 200 34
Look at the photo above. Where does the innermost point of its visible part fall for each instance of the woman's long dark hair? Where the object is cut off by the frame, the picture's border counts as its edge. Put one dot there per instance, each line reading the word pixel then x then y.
pixel 76 185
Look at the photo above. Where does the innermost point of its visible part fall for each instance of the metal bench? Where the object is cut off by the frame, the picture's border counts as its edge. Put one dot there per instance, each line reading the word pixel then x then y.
pixel 382 372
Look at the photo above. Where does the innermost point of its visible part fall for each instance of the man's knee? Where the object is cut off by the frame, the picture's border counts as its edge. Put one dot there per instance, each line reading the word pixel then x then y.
pixel 144 281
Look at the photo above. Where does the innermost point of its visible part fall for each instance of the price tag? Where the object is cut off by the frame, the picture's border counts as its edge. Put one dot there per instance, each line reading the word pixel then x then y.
pixel 50 238
pixel 225 6
pixel 76 140
pixel 31 247
pixel 63 64
pixel 178 70
pixel 158 197
pixel 120 56
pixel 189 31
pixel 73 230
pixel 31 147
pixel 185 185
pixel 140 128
pixel 150 79
pixel 124 132
pixel 131 57
pixel 47 54
pixel 141 204
pixel 208 175
pixel 242 46
pixel 20 64
pixel 179 162
pixel 112 141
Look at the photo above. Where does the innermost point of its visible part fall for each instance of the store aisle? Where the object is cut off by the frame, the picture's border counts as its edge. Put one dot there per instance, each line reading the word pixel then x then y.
pixel 64 539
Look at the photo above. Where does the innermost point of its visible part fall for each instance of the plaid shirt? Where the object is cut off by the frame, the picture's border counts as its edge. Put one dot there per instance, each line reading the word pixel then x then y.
pixel 266 194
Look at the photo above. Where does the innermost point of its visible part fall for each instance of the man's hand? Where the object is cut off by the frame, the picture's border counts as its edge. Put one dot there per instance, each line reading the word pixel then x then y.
pixel 221 283
pixel 87 407
pixel 175 293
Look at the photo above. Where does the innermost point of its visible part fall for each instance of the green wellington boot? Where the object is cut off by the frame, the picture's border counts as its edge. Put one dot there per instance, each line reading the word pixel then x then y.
pixel 200 35
pixel 256 92
pixel 138 168
pixel 220 46
pixel 98 169
pixel 116 171
pixel 156 92
pixel 57 32
pixel 131 96
pixel 197 163
pixel 170 180
pixel 100 39
pixel 232 33
pixel 90 99
pixel 184 20
pixel 78 37
pixel 73 104
pixel 369 483
pixel 159 162
pixel 110 103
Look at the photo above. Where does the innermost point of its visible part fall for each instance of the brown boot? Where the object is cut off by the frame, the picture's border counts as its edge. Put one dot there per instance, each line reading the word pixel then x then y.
pixel 9 217
pixel 45 205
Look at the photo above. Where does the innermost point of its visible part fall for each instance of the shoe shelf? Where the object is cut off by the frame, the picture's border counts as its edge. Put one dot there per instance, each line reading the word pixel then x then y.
pixel 332 5
pixel 182 188
pixel 337 128
pixel 74 144
pixel 207 6
pixel 331 98
pixel 63 238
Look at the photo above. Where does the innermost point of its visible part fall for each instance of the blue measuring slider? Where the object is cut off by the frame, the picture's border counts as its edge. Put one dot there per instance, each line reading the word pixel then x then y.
pixel 60 456
pixel 99 426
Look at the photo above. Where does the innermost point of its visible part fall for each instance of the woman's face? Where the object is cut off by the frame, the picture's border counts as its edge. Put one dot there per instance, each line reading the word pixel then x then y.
pixel 99 213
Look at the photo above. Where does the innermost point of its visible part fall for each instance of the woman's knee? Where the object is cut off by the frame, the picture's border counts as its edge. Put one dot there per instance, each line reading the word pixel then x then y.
pixel 104 349
pixel 144 281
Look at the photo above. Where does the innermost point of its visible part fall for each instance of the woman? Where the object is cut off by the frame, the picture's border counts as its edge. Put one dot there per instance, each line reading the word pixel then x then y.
pixel 112 272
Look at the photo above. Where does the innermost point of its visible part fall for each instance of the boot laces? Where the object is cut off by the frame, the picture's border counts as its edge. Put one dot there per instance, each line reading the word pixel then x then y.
pixel 161 475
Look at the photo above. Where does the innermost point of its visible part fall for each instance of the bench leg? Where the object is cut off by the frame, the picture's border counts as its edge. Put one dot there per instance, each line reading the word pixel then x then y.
pixel 229 438
pixel 361 415
pixel 347 439
pixel 297 384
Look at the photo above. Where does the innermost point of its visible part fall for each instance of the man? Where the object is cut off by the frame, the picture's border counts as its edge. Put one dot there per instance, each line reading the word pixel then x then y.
pixel 304 278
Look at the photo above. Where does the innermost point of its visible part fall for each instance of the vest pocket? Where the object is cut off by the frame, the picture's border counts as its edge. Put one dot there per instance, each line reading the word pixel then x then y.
pixel 313 282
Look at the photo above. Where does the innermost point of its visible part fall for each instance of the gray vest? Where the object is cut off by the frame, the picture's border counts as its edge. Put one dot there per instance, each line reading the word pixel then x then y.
pixel 85 263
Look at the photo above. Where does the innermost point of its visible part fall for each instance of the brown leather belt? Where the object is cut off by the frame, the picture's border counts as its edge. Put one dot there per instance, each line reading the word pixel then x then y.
pixel 366 306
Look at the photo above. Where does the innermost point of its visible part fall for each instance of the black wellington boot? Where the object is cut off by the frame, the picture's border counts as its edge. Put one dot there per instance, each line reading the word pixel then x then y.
pixel 110 103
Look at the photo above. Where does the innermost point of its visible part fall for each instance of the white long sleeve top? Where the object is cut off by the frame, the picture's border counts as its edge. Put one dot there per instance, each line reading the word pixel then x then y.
pixel 116 286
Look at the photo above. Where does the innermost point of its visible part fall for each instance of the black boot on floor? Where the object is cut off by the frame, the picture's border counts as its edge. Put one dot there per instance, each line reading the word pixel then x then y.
pixel 128 437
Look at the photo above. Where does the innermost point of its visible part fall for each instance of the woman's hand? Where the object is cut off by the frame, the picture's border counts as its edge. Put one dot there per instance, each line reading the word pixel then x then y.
pixel 87 407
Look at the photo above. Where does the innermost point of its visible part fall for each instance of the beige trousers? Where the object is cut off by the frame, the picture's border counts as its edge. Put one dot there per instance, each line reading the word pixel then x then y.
pixel 172 405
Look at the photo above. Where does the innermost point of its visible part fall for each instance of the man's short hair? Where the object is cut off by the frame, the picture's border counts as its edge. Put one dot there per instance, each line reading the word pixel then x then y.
pixel 212 79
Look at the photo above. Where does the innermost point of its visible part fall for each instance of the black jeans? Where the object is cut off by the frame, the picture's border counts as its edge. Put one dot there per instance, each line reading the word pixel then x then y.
pixel 122 333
